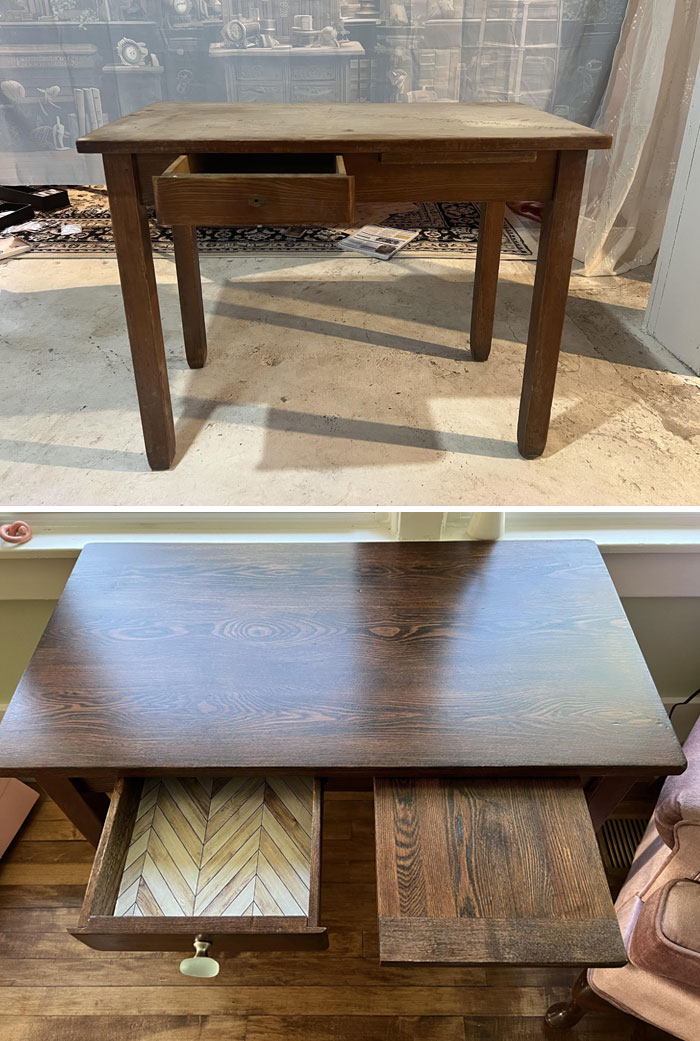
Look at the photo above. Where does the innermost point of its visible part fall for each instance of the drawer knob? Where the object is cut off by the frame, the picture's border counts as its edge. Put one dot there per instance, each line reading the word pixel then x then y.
pixel 201 965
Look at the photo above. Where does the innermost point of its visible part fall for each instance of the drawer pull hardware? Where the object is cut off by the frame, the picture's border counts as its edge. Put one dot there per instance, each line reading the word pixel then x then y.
pixel 201 964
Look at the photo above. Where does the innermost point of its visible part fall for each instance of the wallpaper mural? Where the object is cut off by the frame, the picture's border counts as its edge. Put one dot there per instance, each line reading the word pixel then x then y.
pixel 67 66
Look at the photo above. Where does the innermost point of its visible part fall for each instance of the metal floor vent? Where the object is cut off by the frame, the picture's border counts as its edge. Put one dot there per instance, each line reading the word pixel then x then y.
pixel 618 840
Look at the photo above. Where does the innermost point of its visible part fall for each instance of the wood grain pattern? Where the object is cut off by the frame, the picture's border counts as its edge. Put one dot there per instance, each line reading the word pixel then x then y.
pixel 474 871
pixel 419 159
pixel 223 127
pixel 55 988
pixel 350 660
pixel 188 193
pixel 210 846
pixel 515 941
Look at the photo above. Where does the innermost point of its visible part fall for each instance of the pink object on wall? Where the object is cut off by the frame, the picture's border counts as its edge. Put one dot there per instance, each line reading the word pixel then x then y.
pixel 16 800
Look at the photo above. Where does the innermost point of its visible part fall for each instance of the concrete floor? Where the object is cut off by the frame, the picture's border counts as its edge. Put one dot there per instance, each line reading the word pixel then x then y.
pixel 337 381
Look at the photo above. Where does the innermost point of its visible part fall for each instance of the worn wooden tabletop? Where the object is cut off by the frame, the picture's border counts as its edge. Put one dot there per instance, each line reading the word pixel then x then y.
pixel 363 658
pixel 218 126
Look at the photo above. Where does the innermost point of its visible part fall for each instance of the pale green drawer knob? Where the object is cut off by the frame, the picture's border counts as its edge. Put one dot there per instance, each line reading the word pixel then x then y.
pixel 201 965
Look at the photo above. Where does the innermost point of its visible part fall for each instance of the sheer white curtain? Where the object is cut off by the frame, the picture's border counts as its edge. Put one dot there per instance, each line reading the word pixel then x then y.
pixel 645 107
pixel 68 65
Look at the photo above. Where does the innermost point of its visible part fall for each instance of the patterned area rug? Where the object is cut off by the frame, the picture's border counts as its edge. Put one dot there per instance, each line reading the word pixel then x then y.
pixel 445 229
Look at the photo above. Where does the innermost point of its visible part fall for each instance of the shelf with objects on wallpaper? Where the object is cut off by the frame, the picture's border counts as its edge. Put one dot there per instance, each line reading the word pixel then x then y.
pixel 67 66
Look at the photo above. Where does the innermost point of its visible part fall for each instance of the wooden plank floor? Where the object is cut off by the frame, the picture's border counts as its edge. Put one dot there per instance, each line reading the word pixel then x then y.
pixel 52 988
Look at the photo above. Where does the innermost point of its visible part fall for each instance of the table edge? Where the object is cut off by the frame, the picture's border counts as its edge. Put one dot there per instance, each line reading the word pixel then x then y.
pixel 634 770
pixel 88 145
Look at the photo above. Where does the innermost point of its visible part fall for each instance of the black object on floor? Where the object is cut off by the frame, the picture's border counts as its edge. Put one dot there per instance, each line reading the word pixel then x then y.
pixel 45 199
pixel 11 214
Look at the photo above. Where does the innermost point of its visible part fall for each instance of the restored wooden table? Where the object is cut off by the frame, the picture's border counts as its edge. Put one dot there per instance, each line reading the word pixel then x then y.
pixel 235 164
pixel 483 688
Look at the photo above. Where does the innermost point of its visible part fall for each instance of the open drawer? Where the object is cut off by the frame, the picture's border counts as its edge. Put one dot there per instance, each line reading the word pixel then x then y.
pixel 233 861
pixel 495 871
pixel 232 189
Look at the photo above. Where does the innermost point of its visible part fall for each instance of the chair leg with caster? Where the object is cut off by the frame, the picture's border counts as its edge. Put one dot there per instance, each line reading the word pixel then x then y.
pixel 567 1014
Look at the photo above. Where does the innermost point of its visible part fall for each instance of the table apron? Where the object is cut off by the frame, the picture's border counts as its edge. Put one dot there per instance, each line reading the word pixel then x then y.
pixel 379 179
pixel 83 801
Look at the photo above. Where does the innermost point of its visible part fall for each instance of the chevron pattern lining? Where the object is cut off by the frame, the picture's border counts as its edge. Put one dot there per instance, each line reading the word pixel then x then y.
pixel 207 846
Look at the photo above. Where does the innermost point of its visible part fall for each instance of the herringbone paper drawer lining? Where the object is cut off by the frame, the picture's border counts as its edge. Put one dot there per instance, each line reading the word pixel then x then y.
pixel 236 846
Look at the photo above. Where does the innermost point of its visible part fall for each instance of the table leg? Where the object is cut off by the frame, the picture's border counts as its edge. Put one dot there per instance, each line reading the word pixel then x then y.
pixel 556 251
pixel 189 287
pixel 488 258
pixel 604 795
pixel 133 245
pixel 86 810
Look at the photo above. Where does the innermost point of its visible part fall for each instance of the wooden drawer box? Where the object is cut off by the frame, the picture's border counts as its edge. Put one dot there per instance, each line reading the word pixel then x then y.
pixel 226 190
pixel 232 860
pixel 491 871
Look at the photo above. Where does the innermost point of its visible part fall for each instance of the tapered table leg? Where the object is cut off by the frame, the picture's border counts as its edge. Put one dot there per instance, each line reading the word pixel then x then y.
pixel 556 251
pixel 488 258
pixel 138 280
pixel 189 286
pixel 86 810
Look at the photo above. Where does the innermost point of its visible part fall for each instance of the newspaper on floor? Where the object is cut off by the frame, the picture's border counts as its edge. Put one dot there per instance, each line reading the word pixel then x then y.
pixel 377 241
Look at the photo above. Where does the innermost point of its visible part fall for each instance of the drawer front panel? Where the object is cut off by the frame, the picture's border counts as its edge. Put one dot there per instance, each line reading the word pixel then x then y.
pixel 235 860
pixel 378 179
pixel 184 196
pixel 418 158
pixel 177 934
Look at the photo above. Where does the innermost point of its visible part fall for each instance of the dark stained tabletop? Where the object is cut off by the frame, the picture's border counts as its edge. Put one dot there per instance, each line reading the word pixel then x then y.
pixel 454 657
pixel 221 126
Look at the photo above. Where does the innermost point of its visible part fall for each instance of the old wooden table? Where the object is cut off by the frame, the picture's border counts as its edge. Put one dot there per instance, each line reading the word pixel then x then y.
pixel 227 164
pixel 483 689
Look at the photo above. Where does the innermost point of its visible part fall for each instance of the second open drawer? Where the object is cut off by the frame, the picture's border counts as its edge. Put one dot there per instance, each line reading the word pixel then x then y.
pixel 232 189
pixel 502 871
pixel 232 860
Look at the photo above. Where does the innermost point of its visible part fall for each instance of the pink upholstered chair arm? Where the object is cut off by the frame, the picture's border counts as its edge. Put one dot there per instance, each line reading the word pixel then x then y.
pixel 666 936
pixel 680 795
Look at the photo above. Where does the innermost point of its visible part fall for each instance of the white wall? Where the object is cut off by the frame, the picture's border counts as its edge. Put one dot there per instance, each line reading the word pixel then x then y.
pixel 667 631
pixel 673 313
pixel 21 624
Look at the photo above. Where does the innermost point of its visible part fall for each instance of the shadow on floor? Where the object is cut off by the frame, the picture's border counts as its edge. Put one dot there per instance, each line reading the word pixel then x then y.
pixel 431 300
